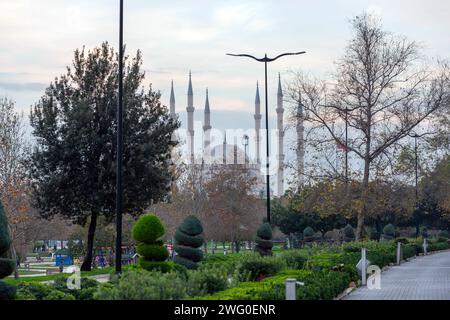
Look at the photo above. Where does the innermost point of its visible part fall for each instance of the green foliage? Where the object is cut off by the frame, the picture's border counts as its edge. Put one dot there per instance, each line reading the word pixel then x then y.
pixel 188 240
pixel 156 251
pixel 58 295
pixel 7 292
pixel 39 291
pixel 162 266
pixel 349 233
pixel 443 234
pixel 191 226
pixel 194 254
pixel 143 285
pixel 88 288
pixel 264 231
pixel 207 280
pixel 5 239
pixel 389 232
pixel 318 286
pixel 195 241
pixel 264 240
pixel 308 234
pixel 7 265
pixel 254 267
pixel 401 240
pixel 327 261
pixel 295 259
pixel 74 126
pixel 147 229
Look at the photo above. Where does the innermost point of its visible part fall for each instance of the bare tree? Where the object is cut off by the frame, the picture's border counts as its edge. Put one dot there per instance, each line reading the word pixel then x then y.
pixel 14 186
pixel 382 94
pixel 233 211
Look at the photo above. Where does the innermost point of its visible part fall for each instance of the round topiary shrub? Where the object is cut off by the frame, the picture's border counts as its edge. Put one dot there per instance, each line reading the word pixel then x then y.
pixel 349 233
pixel 7 265
pixel 389 232
pixel 188 240
pixel 148 229
pixel 308 234
pixel 264 242
pixel 153 254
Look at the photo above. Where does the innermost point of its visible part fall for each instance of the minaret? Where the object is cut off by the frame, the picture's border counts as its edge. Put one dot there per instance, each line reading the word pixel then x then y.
pixel 300 143
pixel 207 130
pixel 172 101
pixel 224 151
pixel 257 117
pixel 280 156
pixel 190 113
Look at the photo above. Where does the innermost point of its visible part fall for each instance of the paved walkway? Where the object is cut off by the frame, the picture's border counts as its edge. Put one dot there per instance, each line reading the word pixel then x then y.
pixel 422 278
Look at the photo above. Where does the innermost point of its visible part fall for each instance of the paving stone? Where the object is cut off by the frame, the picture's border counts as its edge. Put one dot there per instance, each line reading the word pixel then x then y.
pixel 423 278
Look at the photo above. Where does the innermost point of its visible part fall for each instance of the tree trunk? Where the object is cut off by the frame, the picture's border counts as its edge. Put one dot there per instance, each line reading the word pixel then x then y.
pixel 364 196
pixel 238 246
pixel 87 263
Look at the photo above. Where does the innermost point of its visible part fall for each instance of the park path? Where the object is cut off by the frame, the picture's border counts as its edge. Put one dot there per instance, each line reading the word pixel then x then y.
pixel 422 278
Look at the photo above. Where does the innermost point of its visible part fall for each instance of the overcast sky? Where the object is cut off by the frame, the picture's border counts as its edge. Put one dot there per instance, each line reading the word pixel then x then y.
pixel 38 39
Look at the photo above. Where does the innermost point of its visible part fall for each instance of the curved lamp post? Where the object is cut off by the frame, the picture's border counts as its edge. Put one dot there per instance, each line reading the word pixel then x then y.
pixel 266 60
pixel 119 187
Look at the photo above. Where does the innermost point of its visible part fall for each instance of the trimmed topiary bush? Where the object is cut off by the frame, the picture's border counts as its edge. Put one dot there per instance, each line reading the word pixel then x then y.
pixel 7 265
pixel 264 242
pixel 153 254
pixel 389 232
pixel 308 234
pixel 188 240
pixel 349 233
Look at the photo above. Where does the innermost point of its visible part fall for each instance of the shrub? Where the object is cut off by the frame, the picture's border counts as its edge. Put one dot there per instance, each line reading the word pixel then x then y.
pixel 207 281
pixel 402 240
pixel 264 242
pixel 88 288
pixel 39 291
pixel 58 295
pixel 153 254
pixel 142 285
pixel 254 267
pixel 389 232
pixel 308 234
pixel 7 265
pixel 349 233
pixel 318 285
pixel 188 240
pixel 148 229
pixel 443 234
pixel 295 259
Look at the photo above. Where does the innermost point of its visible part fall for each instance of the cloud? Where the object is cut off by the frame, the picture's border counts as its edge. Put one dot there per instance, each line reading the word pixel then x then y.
pixel 29 86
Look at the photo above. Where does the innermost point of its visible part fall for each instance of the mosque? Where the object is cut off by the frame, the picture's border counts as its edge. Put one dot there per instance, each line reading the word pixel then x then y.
pixel 231 154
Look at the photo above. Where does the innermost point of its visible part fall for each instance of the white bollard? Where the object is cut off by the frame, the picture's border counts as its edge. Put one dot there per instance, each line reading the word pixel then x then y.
pixel 399 252
pixel 290 289
pixel 425 247
pixel 291 293
pixel 363 266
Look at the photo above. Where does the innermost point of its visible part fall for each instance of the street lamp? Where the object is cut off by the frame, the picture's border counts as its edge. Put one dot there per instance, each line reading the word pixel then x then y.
pixel 266 60
pixel 119 187
pixel 245 139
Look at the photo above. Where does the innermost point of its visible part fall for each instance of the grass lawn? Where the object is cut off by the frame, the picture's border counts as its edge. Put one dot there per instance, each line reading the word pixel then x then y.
pixel 93 272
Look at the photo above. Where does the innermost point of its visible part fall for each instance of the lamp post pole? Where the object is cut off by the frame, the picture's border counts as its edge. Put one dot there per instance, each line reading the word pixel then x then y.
pixel 119 187
pixel 266 60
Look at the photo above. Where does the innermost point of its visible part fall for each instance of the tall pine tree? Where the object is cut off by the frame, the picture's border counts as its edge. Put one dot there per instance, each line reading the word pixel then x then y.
pixel 74 162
